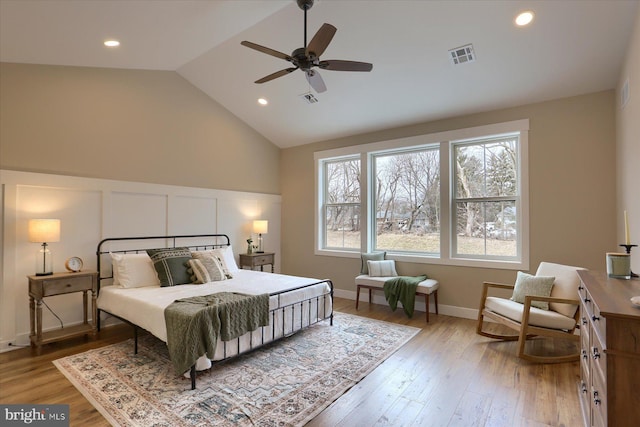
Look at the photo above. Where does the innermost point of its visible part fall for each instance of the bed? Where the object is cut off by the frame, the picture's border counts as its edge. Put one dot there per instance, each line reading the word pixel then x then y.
pixel 127 291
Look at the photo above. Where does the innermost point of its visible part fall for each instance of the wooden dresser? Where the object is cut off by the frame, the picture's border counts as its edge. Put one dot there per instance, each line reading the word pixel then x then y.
pixel 609 383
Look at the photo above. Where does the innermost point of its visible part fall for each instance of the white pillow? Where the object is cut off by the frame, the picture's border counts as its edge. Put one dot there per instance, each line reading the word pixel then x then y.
pixel 133 271
pixel 386 268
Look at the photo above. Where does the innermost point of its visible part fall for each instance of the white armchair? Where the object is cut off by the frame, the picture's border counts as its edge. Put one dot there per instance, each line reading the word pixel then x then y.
pixel 559 321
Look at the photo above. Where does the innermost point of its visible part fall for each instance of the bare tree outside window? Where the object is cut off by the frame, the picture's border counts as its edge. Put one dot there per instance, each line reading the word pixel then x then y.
pixel 342 204
pixel 407 201
pixel 486 197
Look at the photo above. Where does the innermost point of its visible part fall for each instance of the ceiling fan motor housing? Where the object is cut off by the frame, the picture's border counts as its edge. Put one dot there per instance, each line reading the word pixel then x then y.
pixel 305 4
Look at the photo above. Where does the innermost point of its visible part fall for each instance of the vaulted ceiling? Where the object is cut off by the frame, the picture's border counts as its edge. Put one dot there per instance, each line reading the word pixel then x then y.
pixel 571 48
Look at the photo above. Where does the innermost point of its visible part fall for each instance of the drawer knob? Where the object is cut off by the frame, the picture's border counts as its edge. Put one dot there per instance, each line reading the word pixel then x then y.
pixel 584 320
pixel 68 285
pixel 586 299
pixel 595 318
pixel 584 354
pixel 596 353
pixel 584 387
pixel 596 399
pixel 580 287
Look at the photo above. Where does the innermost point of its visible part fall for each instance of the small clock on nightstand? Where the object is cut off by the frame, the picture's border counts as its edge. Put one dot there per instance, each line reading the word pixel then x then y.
pixel 73 264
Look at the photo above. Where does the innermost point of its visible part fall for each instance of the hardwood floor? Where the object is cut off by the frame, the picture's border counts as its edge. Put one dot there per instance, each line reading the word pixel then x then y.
pixel 445 376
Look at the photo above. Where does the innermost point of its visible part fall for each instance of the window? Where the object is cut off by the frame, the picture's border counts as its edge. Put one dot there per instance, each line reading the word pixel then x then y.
pixel 407 201
pixel 457 197
pixel 485 199
pixel 341 227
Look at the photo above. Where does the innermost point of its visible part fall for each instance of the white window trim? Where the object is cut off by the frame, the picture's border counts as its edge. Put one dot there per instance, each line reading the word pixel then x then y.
pixel 442 138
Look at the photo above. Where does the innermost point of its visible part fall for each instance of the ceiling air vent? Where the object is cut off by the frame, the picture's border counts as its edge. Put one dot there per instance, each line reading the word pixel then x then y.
pixel 462 54
pixel 309 98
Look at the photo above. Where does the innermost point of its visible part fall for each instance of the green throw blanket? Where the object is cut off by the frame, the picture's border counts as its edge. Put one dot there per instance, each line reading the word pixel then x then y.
pixel 403 289
pixel 195 324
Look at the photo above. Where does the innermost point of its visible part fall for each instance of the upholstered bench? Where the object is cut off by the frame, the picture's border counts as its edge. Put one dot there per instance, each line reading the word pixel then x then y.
pixel 426 288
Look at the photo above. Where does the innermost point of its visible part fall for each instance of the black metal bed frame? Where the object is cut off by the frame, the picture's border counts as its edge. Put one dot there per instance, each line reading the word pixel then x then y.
pixel 226 242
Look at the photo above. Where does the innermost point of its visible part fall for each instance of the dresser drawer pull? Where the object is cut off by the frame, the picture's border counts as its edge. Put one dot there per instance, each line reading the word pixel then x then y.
pixel 584 354
pixel 584 387
pixel 595 318
pixel 596 399
pixel 68 285
pixel 584 320
pixel 586 299
pixel 580 287
pixel 596 353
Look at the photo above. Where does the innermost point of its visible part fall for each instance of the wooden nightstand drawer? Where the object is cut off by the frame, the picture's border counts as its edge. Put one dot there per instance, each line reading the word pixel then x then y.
pixel 262 259
pixel 66 285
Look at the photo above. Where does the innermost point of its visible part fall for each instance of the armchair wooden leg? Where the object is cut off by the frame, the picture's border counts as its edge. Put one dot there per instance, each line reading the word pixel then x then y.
pixel 357 296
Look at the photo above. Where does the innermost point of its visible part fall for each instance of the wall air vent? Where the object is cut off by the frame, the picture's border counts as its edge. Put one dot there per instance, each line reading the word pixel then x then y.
pixel 309 98
pixel 462 54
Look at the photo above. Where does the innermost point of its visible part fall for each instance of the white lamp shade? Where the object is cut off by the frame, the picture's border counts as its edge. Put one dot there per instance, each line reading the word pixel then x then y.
pixel 260 226
pixel 44 230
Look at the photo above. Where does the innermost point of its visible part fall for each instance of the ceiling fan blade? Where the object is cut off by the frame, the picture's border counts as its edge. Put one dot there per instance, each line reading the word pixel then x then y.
pixel 339 65
pixel 276 75
pixel 315 80
pixel 321 40
pixel 266 50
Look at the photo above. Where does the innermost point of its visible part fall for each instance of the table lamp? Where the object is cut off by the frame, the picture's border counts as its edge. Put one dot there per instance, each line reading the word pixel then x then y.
pixel 260 227
pixel 44 231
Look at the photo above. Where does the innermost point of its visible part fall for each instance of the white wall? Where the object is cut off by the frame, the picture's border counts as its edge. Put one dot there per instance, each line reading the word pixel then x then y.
pixel 93 209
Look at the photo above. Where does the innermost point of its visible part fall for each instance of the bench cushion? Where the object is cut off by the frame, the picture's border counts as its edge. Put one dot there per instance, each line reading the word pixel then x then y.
pixel 537 317
pixel 424 287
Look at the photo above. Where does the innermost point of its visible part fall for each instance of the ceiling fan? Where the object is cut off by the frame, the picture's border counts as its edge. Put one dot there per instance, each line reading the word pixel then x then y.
pixel 308 57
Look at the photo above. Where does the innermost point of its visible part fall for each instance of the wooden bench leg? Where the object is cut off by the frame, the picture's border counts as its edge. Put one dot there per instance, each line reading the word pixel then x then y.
pixel 435 299
pixel 426 305
pixel 357 296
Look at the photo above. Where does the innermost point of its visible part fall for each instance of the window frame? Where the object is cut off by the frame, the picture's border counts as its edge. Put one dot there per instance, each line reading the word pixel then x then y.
pixel 445 141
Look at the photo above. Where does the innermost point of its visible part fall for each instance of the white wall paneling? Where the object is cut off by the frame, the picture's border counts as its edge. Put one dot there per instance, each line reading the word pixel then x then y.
pixel 93 209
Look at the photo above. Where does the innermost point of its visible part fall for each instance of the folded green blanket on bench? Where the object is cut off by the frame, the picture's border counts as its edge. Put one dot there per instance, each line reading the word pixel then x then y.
pixel 403 289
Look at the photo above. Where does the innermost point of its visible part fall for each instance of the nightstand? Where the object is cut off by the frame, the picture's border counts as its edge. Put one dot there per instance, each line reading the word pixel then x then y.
pixel 257 260
pixel 59 284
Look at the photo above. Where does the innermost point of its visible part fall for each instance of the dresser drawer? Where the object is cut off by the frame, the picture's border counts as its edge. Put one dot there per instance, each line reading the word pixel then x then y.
pixel 599 323
pixel 598 400
pixel 66 285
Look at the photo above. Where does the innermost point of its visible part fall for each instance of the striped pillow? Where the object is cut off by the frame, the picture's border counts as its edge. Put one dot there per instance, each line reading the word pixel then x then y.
pixel 205 270
pixel 386 268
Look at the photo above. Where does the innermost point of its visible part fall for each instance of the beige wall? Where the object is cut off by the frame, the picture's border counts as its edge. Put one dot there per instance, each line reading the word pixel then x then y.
pixel 628 159
pixel 572 195
pixel 131 125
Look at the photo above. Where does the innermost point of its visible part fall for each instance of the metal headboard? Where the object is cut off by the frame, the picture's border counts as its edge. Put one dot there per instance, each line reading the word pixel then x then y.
pixel 214 241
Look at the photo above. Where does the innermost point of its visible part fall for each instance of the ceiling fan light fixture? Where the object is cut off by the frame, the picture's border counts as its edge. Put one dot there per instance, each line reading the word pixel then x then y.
pixel 524 18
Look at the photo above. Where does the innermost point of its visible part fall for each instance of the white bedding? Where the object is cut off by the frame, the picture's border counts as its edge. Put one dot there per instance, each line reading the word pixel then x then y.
pixel 145 306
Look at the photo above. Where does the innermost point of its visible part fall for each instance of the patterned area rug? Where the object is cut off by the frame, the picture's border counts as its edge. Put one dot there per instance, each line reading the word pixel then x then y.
pixel 285 383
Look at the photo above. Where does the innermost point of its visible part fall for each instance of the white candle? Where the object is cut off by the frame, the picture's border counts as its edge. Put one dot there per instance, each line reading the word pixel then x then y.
pixel 626 229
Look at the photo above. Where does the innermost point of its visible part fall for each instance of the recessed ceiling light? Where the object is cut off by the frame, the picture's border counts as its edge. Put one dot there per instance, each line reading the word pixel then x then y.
pixel 262 101
pixel 112 43
pixel 524 18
